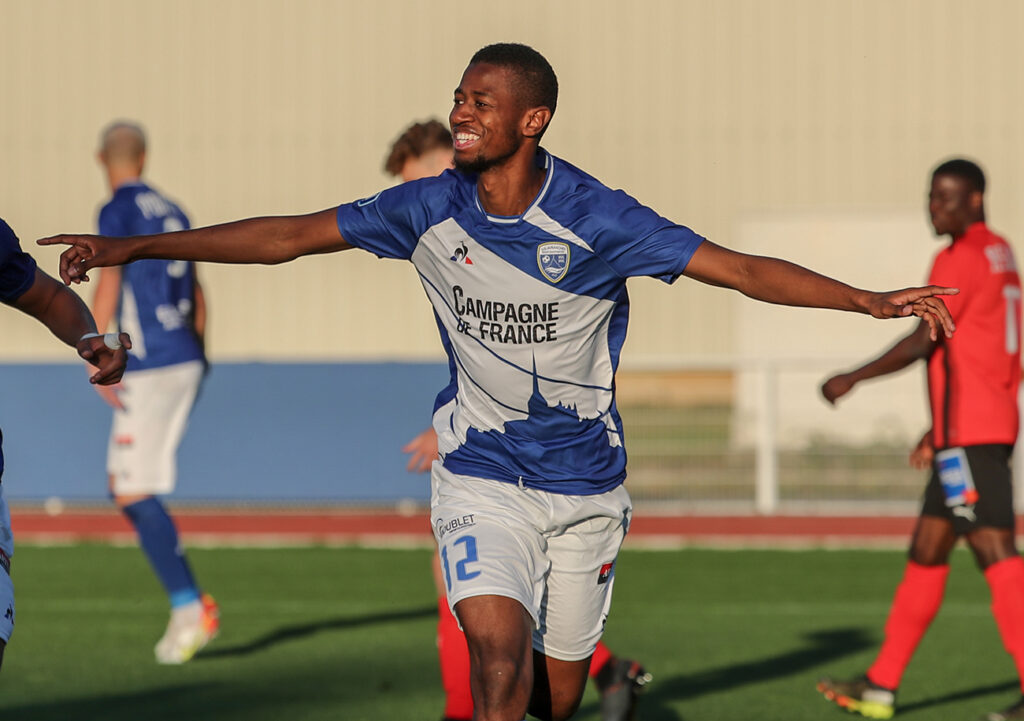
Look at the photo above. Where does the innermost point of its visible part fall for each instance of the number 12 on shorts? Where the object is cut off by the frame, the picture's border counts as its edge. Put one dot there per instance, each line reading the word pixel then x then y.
pixel 469 556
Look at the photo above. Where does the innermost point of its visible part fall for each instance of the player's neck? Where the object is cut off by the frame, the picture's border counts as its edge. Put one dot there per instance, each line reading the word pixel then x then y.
pixel 510 188
pixel 121 175
pixel 962 232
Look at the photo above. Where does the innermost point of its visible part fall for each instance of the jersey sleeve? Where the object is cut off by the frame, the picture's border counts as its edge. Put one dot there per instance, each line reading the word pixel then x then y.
pixel 17 268
pixel 963 272
pixel 390 223
pixel 636 241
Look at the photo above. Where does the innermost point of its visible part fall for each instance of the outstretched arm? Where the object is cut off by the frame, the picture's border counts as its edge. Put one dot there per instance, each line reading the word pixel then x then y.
pixel 269 241
pixel 68 318
pixel 779 281
pixel 914 347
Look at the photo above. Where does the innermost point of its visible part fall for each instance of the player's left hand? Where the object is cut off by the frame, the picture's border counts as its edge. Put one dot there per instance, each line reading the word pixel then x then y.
pixel 109 362
pixel 922 302
pixel 423 450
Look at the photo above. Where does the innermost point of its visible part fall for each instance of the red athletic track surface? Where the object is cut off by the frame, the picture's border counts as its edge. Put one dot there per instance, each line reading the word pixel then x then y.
pixel 344 527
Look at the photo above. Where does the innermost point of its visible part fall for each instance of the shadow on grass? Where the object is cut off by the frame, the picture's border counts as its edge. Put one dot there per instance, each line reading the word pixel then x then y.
pixel 1011 685
pixel 212 700
pixel 819 648
pixel 159 703
pixel 297 631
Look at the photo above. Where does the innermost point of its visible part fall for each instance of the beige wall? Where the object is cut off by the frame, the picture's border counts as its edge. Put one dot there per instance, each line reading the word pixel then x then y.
pixel 707 111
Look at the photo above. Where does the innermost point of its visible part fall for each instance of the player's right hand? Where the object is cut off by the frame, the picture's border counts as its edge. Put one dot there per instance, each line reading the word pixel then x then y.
pixel 86 252
pixel 111 395
pixel 924 453
pixel 423 450
pixel 836 387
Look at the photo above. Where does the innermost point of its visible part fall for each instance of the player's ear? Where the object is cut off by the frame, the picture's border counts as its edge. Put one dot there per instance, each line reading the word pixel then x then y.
pixel 976 201
pixel 535 120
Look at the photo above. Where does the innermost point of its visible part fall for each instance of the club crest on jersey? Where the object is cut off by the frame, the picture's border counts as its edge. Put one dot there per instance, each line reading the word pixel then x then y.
pixel 553 260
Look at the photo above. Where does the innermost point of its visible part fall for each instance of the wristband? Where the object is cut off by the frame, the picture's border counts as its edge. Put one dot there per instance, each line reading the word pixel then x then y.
pixel 111 340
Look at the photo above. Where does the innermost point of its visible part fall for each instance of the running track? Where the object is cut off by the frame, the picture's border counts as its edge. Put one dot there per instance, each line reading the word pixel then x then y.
pixel 346 527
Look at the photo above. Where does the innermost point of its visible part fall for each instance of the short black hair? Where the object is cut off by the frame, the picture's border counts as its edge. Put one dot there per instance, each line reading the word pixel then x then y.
pixel 537 80
pixel 966 170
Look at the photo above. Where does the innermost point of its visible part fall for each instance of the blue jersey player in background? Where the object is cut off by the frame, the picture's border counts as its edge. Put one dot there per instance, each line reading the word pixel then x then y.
pixel 161 305
pixel 525 259
pixel 25 287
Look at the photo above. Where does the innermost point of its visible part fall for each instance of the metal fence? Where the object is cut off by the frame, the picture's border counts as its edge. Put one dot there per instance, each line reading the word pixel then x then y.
pixel 755 445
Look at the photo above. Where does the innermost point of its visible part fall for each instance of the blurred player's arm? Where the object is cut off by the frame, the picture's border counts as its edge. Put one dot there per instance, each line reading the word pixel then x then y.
pixel 199 314
pixel 779 281
pixel 268 240
pixel 104 306
pixel 913 347
pixel 924 452
pixel 105 297
pixel 68 317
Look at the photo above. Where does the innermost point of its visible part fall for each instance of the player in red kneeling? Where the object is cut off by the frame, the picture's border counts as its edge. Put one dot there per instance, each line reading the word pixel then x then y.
pixel 424 150
pixel 972 380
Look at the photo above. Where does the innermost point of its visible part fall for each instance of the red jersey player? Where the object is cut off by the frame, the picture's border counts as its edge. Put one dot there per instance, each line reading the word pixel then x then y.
pixel 972 382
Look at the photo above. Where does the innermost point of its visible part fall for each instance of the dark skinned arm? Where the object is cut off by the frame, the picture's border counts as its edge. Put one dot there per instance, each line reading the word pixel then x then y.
pixel 779 281
pixel 268 241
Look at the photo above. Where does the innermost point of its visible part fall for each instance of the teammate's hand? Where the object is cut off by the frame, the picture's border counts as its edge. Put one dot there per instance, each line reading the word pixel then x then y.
pixel 922 302
pixel 423 449
pixel 924 453
pixel 108 362
pixel 86 251
pixel 836 387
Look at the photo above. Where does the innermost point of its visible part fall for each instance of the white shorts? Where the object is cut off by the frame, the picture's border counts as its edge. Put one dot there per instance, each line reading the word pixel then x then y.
pixel 144 437
pixel 553 553
pixel 6 585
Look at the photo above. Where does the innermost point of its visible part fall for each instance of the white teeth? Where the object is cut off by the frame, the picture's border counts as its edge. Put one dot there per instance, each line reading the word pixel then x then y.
pixel 466 137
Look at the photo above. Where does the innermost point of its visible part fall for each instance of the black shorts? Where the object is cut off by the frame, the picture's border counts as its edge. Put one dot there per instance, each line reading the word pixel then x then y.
pixel 991 502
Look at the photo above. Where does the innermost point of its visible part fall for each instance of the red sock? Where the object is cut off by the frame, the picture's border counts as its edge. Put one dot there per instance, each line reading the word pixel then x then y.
pixel 602 655
pixel 454 655
pixel 917 600
pixel 1006 582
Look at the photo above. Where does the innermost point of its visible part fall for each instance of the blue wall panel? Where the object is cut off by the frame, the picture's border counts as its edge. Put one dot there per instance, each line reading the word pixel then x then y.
pixel 259 432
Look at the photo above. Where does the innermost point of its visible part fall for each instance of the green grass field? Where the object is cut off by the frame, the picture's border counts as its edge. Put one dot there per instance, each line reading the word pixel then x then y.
pixel 318 633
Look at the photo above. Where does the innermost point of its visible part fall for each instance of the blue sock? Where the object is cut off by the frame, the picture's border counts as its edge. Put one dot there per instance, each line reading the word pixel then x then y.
pixel 159 540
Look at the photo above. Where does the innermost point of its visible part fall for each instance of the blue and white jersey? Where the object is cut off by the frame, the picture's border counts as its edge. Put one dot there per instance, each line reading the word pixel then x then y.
pixel 157 299
pixel 17 268
pixel 17 273
pixel 532 311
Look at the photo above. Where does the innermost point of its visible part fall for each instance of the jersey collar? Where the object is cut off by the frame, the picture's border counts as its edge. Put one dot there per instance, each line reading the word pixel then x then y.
pixel 512 219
